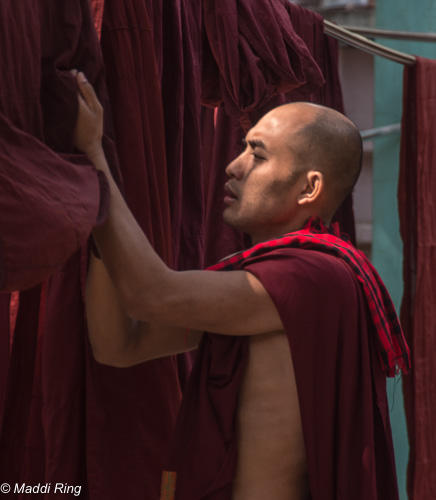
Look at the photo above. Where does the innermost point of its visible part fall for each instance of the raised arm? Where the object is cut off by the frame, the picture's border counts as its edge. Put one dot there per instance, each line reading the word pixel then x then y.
pixel 222 302
pixel 118 340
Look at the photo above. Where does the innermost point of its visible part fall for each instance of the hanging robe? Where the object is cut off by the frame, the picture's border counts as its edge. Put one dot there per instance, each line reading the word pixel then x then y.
pixel 416 195
pixel 131 411
pixel 43 434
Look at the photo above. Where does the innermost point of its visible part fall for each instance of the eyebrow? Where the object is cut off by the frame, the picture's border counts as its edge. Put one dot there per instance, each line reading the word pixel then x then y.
pixel 255 143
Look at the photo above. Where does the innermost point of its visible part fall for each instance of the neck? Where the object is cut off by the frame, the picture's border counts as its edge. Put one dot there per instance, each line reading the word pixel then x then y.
pixel 271 233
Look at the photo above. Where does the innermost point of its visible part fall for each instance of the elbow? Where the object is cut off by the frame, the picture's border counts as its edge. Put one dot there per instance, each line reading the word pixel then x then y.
pixel 112 359
pixel 102 355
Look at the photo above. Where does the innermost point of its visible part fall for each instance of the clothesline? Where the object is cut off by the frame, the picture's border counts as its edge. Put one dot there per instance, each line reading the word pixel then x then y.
pixel 393 34
pixel 366 45
pixel 380 131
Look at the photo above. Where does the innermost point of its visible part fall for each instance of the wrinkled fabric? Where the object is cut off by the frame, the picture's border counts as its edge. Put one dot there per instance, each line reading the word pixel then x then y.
pixel 291 61
pixel 181 97
pixel 416 195
pixel 97 10
pixel 56 197
pixel 4 347
pixel 135 99
pixel 43 434
pixel 132 411
pixel 340 382
pixel 258 54
pixel 53 197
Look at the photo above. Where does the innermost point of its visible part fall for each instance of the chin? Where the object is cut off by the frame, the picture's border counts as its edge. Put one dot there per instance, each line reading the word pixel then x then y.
pixel 230 219
pixel 235 223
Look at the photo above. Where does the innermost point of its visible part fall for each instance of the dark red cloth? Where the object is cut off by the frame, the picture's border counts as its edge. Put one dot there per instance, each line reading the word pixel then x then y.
pixel 341 384
pixel 4 348
pixel 394 352
pixel 43 435
pixel 291 60
pixel 135 99
pixel 258 53
pixel 132 411
pixel 416 198
pixel 181 63
pixel 31 178
pixel 51 198
pixel 97 10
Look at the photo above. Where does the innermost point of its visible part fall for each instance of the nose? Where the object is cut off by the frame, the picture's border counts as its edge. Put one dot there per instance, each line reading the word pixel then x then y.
pixel 235 168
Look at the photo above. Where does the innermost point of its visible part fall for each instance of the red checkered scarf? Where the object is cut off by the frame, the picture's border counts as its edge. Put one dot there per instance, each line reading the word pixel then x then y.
pixel 394 352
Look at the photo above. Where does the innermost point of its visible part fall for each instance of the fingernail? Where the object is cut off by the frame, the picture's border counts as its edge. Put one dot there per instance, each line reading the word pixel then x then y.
pixel 82 78
pixel 73 72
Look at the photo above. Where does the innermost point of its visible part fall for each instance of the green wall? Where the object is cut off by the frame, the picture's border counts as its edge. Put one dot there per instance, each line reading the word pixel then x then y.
pixel 404 15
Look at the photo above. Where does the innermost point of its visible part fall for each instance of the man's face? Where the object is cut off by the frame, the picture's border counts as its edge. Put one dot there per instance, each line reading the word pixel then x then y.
pixel 261 194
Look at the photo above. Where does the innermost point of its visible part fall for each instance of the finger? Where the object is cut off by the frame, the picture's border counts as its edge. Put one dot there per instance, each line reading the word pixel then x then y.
pixel 73 72
pixel 82 102
pixel 88 92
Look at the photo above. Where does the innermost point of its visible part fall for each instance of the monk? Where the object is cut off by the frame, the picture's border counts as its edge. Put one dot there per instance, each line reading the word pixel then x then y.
pixel 298 163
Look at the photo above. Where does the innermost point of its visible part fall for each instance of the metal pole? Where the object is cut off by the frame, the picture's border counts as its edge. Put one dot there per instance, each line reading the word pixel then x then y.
pixel 380 131
pixel 397 35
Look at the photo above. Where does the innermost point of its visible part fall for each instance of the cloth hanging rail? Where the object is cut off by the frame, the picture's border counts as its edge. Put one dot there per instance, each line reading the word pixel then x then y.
pixel 396 35
pixel 380 131
pixel 366 45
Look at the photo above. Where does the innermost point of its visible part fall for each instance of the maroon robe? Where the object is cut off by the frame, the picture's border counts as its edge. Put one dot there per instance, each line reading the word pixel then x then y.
pixel 340 381
pixel 416 199
pixel 181 63
pixel 57 193
pixel 49 197
pixel 132 411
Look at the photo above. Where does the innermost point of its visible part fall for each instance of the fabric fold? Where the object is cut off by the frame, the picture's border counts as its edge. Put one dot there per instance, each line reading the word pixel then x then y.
pixel 416 199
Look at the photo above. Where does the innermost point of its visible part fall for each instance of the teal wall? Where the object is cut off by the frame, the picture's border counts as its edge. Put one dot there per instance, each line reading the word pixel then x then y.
pixel 406 15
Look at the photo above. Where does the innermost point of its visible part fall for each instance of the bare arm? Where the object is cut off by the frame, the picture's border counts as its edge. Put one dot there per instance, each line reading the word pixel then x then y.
pixel 115 338
pixel 223 302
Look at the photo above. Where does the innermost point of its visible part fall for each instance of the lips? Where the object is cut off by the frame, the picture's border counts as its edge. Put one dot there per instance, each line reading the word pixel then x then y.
pixel 229 190
pixel 230 195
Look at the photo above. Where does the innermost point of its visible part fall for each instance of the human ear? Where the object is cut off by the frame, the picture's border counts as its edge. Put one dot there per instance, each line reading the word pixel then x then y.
pixel 313 187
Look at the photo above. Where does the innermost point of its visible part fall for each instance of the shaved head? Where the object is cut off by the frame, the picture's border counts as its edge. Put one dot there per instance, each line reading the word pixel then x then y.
pixel 325 140
pixel 300 160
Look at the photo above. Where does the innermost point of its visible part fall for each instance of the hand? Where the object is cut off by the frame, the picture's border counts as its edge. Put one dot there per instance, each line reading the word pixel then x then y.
pixel 89 126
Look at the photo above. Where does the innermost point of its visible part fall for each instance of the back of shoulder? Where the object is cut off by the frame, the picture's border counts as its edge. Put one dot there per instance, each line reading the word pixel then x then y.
pixel 307 273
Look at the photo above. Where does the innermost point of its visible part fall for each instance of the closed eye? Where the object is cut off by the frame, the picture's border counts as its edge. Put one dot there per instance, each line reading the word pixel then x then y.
pixel 257 157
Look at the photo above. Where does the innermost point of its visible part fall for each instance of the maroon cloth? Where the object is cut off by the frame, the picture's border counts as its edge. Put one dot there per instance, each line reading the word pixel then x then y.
pixel 393 349
pixel 416 195
pixel 53 199
pixel 4 348
pixel 181 64
pixel 97 10
pixel 31 178
pixel 289 60
pixel 341 386
pixel 135 98
pixel 258 53
pixel 43 434
pixel 132 411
